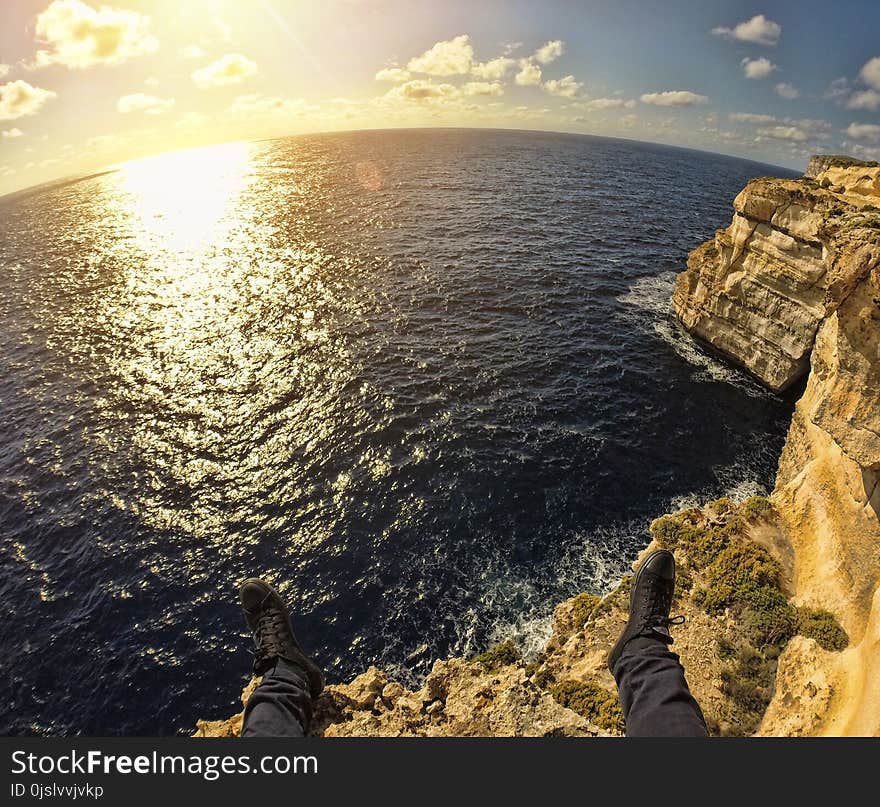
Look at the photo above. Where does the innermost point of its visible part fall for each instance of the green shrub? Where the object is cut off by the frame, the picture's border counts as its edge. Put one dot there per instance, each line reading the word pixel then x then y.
pixel 821 625
pixel 756 507
pixel 723 505
pixel 543 678
pixel 749 683
pixel 583 607
pixel 745 578
pixel 684 582
pixel 699 542
pixel 499 656
pixel 591 701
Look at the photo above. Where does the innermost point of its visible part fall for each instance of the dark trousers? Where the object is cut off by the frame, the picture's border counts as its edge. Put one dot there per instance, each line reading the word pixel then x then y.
pixel 654 695
pixel 653 692
pixel 281 706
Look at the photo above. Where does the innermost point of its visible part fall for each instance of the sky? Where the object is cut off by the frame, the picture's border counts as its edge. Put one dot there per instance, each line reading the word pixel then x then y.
pixel 86 84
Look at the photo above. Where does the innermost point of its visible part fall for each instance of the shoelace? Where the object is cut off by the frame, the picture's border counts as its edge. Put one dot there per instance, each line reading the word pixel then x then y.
pixel 657 605
pixel 269 637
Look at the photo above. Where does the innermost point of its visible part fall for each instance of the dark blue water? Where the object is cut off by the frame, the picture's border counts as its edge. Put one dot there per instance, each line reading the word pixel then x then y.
pixel 426 381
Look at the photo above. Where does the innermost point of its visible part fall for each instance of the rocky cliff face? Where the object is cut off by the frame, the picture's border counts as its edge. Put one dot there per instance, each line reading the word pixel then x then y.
pixel 793 252
pixel 793 286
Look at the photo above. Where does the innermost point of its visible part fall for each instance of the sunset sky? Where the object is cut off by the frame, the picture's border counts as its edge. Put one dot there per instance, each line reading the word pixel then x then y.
pixel 84 85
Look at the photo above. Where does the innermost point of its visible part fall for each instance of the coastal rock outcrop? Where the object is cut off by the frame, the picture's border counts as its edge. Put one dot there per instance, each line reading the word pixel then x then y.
pixel 794 251
pixel 793 286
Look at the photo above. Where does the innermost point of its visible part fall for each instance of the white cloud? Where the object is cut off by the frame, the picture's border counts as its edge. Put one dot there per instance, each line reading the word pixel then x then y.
pixel 750 117
pixel 77 36
pixel 4 69
pixel 452 57
pixel 837 90
pixel 392 74
pixel 870 73
pixel 674 98
pixel 550 51
pixel 192 52
pixel 494 69
pixel 420 91
pixel 256 105
pixel 607 103
pixel 483 88
pixel 8 134
pixel 757 68
pixel 786 90
pixel 566 87
pixel 529 74
pixel 784 133
pixel 865 99
pixel 758 29
pixel 140 102
pixel 18 98
pixel 231 68
pixel 865 152
pixel 151 81
pixel 864 131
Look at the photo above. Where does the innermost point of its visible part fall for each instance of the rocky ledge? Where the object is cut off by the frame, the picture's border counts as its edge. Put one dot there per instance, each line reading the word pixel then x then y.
pixel 781 595
pixel 793 253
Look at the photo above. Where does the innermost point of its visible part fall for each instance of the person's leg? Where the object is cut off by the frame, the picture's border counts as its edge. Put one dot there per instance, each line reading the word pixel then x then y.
pixel 653 692
pixel 281 705
pixel 651 685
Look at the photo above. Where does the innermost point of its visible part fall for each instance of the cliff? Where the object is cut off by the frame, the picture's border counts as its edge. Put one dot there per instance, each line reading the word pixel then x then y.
pixel 729 644
pixel 793 287
pixel 781 596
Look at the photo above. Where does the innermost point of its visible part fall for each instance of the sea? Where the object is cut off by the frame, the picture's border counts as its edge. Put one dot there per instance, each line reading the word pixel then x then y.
pixel 427 382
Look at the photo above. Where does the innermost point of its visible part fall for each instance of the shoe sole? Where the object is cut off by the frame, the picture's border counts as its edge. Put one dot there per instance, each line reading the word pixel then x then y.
pixel 632 597
pixel 313 671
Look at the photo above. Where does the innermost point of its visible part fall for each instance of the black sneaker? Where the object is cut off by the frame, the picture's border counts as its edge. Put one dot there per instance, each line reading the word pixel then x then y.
pixel 649 603
pixel 269 624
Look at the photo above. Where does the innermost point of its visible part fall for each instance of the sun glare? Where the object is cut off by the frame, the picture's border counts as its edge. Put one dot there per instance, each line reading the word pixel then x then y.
pixel 185 197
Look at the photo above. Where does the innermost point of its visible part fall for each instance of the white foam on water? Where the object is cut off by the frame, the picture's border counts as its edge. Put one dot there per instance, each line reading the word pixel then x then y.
pixel 649 299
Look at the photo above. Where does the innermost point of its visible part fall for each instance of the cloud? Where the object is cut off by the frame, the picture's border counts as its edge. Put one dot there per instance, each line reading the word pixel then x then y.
pixel 452 57
pixel 674 98
pixel 77 36
pixel 8 134
pixel 483 88
pixel 529 74
pixel 786 90
pixel 148 104
pixel 865 99
pixel 255 105
pixel 392 74
pixel 151 81
pixel 757 68
pixel 861 131
pixel 785 133
pixel 865 152
pixel 18 98
pixel 870 73
pixel 607 103
pixel 750 117
pixel 566 87
pixel 231 68
pixel 494 69
pixel 4 69
pixel 192 52
pixel 758 29
pixel 549 52
pixel 420 91
pixel 837 90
